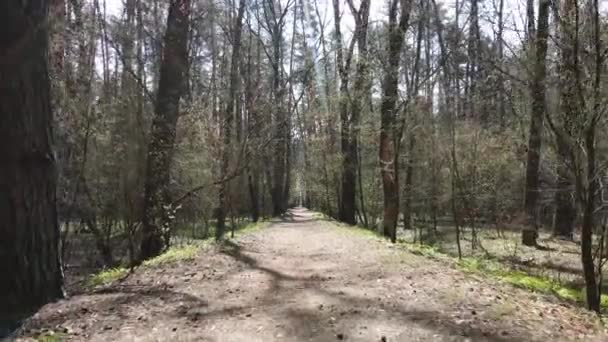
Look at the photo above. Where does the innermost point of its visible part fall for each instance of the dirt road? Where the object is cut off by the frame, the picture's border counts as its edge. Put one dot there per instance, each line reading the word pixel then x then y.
pixel 307 279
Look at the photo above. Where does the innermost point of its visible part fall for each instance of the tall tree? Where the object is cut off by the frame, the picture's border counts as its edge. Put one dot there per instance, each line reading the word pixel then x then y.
pixel 565 210
pixel 229 116
pixel 397 25
pixel 349 119
pixel 537 92
pixel 29 247
pixel 171 86
pixel 275 17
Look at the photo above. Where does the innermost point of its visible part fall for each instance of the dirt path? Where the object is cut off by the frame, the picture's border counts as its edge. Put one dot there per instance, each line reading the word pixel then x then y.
pixel 309 280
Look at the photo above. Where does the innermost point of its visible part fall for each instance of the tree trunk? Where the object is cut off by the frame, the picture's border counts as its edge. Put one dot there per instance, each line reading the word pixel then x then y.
pixel 171 86
pixel 388 152
pixel 275 26
pixel 229 116
pixel 537 90
pixel 565 211
pixel 593 291
pixel 346 207
pixel 29 248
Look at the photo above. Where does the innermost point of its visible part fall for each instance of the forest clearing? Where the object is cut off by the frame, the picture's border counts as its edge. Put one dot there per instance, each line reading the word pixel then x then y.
pixel 309 279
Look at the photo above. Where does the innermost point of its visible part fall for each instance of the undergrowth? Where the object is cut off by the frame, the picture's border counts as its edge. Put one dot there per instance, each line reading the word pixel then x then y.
pixel 51 336
pixel 173 254
pixel 489 267
pixel 535 283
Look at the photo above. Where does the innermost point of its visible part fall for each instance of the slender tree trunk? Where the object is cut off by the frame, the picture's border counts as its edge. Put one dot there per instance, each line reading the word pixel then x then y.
pixel 171 86
pixel 29 245
pixel 500 56
pixel 593 280
pixel 593 291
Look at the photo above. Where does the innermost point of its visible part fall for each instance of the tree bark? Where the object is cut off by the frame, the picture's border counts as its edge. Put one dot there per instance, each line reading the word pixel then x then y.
pixel 537 90
pixel 565 211
pixel 388 150
pixel 229 116
pixel 346 207
pixel 29 248
pixel 171 86
pixel 275 25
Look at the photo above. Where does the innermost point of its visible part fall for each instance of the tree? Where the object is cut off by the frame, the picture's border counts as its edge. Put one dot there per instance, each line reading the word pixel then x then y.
pixel 29 248
pixel 537 92
pixel 397 25
pixel 158 211
pixel 229 117
pixel 349 123
pixel 580 114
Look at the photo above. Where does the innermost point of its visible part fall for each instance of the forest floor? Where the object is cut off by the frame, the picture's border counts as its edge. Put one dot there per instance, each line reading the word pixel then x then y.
pixel 308 279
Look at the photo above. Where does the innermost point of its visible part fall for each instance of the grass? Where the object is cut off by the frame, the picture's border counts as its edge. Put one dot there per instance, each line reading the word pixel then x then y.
pixel 173 254
pixel 356 230
pixel 107 276
pixel 534 283
pixel 50 337
pixel 488 267
pixel 251 227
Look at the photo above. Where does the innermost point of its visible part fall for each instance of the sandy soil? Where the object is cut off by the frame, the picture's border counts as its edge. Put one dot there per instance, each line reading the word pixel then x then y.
pixel 307 279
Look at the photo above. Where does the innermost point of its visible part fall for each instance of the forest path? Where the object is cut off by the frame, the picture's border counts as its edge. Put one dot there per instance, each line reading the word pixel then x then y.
pixel 307 279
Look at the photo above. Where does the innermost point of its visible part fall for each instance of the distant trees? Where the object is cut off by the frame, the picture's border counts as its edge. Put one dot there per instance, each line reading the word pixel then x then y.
pixel 29 246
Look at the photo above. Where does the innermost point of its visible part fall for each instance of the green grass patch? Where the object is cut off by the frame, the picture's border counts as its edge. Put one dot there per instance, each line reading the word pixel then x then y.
pixel 174 254
pixel 356 230
pixel 107 276
pixel 535 283
pixel 251 228
pixel 422 249
pixel 50 337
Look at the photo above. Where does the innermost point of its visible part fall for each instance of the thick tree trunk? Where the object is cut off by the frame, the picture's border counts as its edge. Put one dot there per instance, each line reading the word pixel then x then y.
pixel 171 86
pixel 350 141
pixel 29 245
pixel 346 205
pixel 565 210
pixel 537 90
pixel 388 153
pixel 229 116
pixel 280 132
